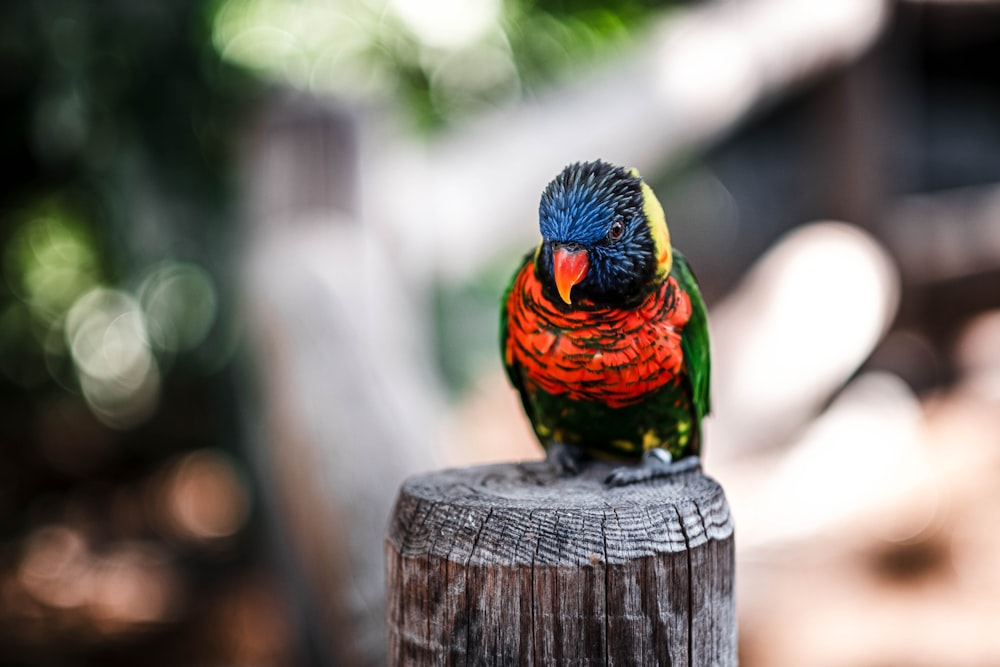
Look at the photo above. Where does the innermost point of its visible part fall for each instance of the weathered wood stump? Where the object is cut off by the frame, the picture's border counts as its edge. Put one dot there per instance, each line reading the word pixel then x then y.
pixel 511 564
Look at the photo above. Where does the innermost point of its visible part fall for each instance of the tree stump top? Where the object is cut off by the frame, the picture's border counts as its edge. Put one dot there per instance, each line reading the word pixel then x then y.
pixel 525 513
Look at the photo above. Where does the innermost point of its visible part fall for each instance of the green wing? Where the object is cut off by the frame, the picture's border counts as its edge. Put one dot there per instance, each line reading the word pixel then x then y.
pixel 694 338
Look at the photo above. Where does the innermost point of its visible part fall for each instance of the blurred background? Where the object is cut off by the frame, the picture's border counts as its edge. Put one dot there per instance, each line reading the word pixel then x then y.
pixel 252 254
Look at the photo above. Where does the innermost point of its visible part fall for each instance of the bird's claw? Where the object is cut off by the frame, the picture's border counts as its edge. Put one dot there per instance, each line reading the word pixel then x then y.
pixel 655 463
pixel 565 459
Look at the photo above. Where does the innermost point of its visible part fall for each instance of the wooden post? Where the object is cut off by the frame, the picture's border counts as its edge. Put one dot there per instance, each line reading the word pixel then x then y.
pixel 511 564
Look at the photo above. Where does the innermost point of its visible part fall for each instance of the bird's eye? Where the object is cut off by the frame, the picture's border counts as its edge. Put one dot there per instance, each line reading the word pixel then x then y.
pixel 616 231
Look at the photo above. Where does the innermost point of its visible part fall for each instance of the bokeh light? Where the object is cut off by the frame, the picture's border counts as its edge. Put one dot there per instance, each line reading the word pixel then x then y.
pixel 116 341
pixel 106 334
pixel 115 589
pixel 204 497
pixel 119 128
pixel 445 60
pixel 179 303
pixel 307 43
pixel 52 567
pixel 49 262
pixel 447 24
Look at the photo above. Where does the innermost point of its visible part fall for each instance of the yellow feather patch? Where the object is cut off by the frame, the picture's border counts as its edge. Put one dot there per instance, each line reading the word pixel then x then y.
pixel 683 432
pixel 650 440
pixel 623 445
pixel 657 222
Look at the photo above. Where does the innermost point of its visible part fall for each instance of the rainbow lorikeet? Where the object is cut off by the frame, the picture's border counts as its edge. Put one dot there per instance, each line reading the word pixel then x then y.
pixel 604 332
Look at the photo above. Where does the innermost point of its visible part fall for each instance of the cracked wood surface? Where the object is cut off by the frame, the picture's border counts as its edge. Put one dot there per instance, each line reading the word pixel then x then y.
pixel 512 564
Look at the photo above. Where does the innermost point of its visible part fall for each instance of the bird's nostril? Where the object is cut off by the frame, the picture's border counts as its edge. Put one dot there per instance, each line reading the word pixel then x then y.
pixel 571 246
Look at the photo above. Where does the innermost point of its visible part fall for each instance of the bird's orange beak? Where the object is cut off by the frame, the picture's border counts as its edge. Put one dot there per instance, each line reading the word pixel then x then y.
pixel 570 267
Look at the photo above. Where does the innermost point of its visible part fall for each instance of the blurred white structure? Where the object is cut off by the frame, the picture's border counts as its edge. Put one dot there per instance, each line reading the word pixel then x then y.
pixel 804 319
pixel 457 201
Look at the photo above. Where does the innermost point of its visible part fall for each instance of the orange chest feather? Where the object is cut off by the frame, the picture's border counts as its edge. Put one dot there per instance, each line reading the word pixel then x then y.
pixel 612 356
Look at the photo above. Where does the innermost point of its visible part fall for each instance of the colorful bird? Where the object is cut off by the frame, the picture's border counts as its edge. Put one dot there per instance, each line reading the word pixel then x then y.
pixel 604 332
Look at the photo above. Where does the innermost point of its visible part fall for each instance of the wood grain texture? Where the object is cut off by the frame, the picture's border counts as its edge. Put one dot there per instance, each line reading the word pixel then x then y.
pixel 511 564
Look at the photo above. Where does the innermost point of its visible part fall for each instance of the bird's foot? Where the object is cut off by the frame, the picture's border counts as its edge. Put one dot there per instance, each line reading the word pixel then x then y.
pixel 655 463
pixel 565 459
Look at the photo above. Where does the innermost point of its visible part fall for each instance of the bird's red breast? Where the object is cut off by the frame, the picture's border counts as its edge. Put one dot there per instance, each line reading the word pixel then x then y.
pixel 615 356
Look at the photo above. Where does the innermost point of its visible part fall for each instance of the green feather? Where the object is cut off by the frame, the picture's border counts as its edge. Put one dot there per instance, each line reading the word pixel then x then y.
pixel 694 338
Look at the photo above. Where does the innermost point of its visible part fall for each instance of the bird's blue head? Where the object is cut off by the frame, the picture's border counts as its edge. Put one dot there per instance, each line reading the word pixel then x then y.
pixel 604 236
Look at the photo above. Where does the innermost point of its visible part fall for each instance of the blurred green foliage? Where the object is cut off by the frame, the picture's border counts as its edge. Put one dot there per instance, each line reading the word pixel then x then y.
pixel 118 124
pixel 466 323
pixel 119 130
pixel 439 60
